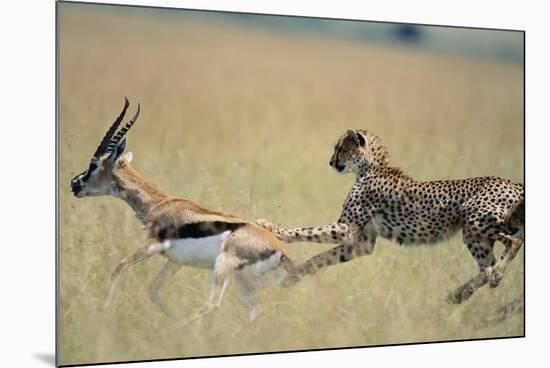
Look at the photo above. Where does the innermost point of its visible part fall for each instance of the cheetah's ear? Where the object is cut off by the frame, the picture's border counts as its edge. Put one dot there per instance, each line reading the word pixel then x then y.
pixel 356 138
pixel 361 139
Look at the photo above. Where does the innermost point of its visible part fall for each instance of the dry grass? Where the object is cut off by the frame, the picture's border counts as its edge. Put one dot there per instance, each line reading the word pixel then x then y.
pixel 244 122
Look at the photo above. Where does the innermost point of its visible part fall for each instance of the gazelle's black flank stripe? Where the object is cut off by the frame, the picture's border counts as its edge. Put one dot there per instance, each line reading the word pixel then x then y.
pixel 195 230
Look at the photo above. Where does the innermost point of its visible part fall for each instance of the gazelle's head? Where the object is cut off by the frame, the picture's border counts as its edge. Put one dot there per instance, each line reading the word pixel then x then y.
pixel 98 179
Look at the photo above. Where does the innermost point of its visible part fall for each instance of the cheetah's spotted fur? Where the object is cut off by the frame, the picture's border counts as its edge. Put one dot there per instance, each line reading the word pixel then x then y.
pixel 387 203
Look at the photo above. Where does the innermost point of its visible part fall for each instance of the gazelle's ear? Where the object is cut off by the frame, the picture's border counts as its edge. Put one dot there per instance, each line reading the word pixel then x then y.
pixel 128 156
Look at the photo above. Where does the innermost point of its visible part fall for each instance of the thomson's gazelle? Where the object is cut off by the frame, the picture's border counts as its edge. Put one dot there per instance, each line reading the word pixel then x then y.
pixel 183 231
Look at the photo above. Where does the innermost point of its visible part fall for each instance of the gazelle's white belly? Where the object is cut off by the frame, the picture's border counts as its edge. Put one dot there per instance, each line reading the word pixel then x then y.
pixel 197 252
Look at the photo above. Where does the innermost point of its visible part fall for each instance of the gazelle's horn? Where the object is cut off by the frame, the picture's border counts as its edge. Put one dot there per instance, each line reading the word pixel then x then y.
pixel 101 149
pixel 122 132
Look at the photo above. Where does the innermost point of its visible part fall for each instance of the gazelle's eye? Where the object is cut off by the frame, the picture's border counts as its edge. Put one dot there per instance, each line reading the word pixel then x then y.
pixel 93 169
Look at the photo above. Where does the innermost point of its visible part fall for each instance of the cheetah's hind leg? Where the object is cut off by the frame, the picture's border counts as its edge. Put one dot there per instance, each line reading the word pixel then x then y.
pixel 482 251
pixel 492 274
pixel 465 291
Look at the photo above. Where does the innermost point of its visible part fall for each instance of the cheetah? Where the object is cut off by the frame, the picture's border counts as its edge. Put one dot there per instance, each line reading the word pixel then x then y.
pixel 385 202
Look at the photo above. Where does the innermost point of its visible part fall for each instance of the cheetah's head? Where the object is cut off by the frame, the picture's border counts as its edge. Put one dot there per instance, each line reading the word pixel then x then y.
pixel 349 152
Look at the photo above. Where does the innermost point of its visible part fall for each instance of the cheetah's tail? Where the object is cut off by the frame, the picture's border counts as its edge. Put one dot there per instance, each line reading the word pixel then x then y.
pixel 515 221
pixel 502 313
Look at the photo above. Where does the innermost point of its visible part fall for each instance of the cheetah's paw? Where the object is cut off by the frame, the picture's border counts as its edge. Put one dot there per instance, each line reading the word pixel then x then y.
pixel 290 280
pixel 265 224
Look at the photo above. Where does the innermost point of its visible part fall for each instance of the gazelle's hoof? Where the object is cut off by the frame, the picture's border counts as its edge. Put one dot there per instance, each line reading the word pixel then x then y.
pixel 265 224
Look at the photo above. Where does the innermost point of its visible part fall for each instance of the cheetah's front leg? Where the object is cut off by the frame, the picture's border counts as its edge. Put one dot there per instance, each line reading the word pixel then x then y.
pixel 340 254
pixel 333 233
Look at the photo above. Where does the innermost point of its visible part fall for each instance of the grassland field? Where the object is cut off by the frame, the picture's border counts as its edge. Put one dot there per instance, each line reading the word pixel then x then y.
pixel 244 121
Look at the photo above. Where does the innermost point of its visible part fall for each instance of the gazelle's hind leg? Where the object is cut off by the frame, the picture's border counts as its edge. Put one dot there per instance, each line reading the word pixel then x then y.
pixel 223 269
pixel 247 296
pixel 251 280
pixel 169 269
pixel 138 256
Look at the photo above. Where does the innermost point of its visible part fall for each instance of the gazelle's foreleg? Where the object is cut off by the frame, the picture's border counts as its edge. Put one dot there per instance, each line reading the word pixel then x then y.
pixel 223 270
pixel 215 295
pixel 332 233
pixel 169 269
pixel 136 257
